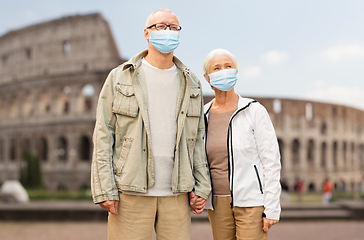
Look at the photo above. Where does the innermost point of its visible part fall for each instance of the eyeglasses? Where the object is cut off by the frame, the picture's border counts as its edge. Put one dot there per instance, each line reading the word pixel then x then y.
pixel 163 26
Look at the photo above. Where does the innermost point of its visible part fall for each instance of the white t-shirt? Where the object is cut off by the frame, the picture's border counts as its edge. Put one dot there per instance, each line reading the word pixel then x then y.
pixel 162 87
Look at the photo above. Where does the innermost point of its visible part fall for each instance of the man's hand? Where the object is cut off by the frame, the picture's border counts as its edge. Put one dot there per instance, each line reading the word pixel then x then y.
pixel 111 206
pixel 197 203
pixel 268 223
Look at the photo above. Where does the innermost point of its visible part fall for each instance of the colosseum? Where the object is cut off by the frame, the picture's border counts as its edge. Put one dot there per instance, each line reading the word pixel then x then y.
pixel 50 77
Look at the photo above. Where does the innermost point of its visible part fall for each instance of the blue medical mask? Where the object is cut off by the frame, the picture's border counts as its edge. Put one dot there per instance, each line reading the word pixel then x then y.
pixel 164 40
pixel 223 80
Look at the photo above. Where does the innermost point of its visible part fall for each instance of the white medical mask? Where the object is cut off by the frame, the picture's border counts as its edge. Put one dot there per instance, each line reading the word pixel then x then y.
pixel 164 40
pixel 223 80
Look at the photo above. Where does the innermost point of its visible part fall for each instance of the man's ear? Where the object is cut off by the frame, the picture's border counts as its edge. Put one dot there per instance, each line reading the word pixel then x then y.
pixel 146 34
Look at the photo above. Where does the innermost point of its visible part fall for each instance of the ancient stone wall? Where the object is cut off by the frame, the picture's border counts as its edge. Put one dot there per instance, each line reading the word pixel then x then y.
pixel 50 77
pixel 318 141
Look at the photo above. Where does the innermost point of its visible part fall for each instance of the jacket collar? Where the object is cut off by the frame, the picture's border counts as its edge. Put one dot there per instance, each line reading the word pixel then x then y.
pixel 243 102
pixel 136 61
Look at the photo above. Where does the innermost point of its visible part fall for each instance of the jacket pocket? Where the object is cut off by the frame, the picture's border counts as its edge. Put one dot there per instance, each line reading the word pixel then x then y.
pixel 124 101
pixel 194 108
pixel 260 183
pixel 190 148
pixel 125 149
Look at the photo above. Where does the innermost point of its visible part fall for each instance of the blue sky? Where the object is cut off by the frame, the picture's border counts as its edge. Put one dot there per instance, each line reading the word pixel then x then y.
pixel 304 49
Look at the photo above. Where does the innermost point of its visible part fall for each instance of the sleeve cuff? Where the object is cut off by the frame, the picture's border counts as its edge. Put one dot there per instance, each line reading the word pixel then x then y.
pixel 103 198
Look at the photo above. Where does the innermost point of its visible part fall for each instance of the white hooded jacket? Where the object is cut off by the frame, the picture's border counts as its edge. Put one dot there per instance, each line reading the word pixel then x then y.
pixel 254 159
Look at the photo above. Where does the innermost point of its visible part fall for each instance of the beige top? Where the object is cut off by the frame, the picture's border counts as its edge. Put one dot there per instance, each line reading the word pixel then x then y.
pixel 217 152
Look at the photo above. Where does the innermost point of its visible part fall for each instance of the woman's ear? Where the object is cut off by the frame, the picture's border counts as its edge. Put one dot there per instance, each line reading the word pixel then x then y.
pixel 207 78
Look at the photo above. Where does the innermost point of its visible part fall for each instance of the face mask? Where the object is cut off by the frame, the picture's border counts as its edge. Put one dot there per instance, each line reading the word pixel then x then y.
pixel 223 80
pixel 164 40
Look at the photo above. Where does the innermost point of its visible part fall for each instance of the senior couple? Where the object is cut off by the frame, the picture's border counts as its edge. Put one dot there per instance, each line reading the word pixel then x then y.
pixel 158 151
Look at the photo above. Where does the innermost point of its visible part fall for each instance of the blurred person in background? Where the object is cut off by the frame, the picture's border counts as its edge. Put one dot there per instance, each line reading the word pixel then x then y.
pixel 148 140
pixel 299 189
pixel 327 192
pixel 243 156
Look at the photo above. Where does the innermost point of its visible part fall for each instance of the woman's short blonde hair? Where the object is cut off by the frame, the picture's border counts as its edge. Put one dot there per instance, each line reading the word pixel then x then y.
pixel 214 53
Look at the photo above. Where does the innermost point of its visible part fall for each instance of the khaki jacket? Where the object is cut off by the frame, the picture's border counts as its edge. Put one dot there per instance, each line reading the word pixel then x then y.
pixel 122 158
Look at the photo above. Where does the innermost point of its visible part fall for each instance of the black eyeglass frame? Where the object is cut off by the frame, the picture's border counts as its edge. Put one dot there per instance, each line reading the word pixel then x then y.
pixel 166 26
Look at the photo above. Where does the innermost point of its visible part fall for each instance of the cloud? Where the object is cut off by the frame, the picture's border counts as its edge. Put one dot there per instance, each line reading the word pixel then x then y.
pixel 251 72
pixel 274 57
pixel 341 53
pixel 324 92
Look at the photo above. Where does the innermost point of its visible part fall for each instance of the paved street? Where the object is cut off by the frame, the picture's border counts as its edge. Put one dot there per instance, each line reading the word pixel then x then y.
pixel 331 230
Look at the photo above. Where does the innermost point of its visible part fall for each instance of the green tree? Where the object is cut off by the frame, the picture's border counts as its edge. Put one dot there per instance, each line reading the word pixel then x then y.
pixel 31 175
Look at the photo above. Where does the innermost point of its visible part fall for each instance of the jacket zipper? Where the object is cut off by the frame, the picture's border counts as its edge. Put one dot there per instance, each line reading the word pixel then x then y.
pixel 208 164
pixel 231 160
pixel 260 183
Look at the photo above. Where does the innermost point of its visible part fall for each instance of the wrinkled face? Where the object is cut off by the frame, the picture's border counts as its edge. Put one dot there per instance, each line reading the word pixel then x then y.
pixel 161 17
pixel 219 62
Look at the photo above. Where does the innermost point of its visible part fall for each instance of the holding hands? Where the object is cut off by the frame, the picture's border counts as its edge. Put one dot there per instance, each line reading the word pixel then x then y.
pixel 197 203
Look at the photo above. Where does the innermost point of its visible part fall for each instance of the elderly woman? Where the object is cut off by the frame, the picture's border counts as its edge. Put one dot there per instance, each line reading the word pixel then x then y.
pixel 243 155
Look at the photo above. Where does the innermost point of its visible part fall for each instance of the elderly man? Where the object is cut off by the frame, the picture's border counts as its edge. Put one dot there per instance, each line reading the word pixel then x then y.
pixel 148 140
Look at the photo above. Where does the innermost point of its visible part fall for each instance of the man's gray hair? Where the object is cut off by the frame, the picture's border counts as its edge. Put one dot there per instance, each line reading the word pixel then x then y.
pixel 149 19
pixel 214 53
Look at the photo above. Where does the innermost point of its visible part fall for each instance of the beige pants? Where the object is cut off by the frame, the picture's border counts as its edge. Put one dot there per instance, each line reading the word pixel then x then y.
pixel 139 215
pixel 236 223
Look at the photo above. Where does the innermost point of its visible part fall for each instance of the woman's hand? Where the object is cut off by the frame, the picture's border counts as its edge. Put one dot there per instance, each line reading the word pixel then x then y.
pixel 197 203
pixel 268 223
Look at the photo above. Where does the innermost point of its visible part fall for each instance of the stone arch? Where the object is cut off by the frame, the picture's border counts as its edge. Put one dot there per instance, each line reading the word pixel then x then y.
pixel 43 149
pixel 361 156
pixel 14 107
pixel 12 150
pixel 336 186
pixel 311 187
pixel 3 110
pixel 277 105
pixel 323 154
pixel 311 154
pixel 334 154
pixel 342 185
pixel 62 149
pixel 85 148
pixel 323 129
pixel 2 150
pixel 352 186
pixel 66 47
pixel 344 154
pixel 295 152
pixel 28 107
pixel 64 99
pixel 86 98
pixel 352 154
pixel 25 148
pixel 44 103
pixel 308 111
